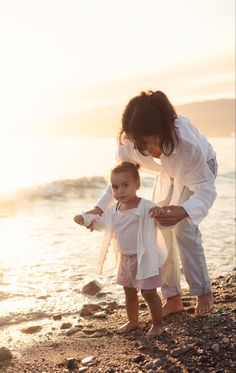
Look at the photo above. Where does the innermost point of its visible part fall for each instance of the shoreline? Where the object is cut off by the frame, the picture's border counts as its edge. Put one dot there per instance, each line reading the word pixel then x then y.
pixel 189 343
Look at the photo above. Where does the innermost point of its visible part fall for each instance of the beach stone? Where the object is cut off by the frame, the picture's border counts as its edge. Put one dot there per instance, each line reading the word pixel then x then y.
pixel 72 331
pixel 92 288
pixel 89 309
pixel 225 340
pixel 100 315
pixel 215 347
pixel 66 325
pixel 32 329
pixel 5 354
pixel 180 350
pixel 139 358
pixel 57 317
pixel 152 364
pixel 71 362
pixel 88 360
pixel 83 369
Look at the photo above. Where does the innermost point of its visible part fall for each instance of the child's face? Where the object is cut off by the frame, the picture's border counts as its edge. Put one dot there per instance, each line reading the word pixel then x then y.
pixel 124 186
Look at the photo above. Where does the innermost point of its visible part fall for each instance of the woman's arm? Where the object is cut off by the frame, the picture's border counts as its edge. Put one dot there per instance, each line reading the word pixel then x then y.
pixel 192 171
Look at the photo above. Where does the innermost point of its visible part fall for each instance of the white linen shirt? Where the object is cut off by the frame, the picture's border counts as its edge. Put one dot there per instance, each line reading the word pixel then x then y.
pixel 151 248
pixel 187 165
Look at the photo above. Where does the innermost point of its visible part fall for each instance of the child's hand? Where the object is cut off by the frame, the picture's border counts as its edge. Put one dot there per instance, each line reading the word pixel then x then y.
pixel 79 219
pixel 155 212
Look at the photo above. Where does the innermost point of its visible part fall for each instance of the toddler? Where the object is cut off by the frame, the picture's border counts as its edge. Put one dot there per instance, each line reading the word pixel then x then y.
pixel 138 241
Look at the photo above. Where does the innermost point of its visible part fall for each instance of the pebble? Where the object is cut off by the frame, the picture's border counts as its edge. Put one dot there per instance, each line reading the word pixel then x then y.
pixel 71 362
pixel 100 315
pixel 88 360
pixel 72 331
pixel 225 340
pixel 180 350
pixel 91 288
pixel 5 354
pixel 32 329
pixel 152 364
pixel 57 317
pixel 215 347
pixel 139 358
pixel 89 309
pixel 66 325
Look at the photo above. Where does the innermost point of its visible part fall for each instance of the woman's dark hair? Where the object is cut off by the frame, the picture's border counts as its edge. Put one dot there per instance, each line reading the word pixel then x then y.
pixel 127 167
pixel 150 114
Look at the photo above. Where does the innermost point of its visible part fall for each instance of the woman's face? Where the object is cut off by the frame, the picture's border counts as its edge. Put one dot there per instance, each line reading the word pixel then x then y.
pixel 149 145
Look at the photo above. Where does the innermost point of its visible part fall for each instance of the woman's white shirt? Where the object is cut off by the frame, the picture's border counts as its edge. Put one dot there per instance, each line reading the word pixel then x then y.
pixel 187 166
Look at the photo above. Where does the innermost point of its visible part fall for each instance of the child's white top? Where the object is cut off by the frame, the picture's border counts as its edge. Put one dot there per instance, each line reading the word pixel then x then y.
pixel 151 247
pixel 125 229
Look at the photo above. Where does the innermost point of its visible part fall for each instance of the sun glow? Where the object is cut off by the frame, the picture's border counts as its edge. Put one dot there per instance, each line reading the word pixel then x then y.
pixel 60 57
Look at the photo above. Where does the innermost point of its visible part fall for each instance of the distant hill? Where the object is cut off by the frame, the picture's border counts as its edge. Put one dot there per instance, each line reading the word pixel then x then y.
pixel 212 118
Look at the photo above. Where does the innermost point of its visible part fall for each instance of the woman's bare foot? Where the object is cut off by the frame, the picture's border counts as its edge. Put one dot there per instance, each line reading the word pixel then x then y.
pixel 155 331
pixel 126 328
pixel 205 304
pixel 172 305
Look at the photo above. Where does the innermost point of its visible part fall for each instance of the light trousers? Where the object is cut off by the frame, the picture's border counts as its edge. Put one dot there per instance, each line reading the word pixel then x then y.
pixel 184 244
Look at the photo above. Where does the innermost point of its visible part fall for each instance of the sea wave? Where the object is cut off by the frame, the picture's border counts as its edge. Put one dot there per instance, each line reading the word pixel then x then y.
pixel 60 189
pixel 65 189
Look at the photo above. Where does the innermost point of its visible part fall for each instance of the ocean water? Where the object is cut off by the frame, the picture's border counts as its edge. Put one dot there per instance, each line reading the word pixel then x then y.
pixel 46 258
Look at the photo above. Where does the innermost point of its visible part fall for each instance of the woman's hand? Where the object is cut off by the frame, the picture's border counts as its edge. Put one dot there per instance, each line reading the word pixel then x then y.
pixel 168 215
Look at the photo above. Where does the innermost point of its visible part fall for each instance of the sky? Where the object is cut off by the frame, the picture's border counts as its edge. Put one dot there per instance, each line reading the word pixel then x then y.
pixel 61 57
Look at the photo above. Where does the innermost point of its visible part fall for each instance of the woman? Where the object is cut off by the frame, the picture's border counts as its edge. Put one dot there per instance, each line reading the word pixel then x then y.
pixel 160 141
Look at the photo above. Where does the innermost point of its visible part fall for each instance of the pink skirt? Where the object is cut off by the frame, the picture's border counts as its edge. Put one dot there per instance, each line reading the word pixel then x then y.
pixel 127 272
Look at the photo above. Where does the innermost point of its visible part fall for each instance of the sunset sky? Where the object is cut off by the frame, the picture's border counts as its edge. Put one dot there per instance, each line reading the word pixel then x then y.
pixel 60 57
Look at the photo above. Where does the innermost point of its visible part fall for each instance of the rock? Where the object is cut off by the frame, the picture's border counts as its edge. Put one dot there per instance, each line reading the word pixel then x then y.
pixel 139 358
pixel 100 315
pixel 32 329
pixel 71 363
pixel 83 370
pixel 92 288
pixel 151 364
pixel 89 309
pixel 215 347
pixel 89 331
pixel 57 317
pixel 72 331
pixel 66 325
pixel 225 340
pixel 187 304
pixel 88 360
pixel 181 350
pixel 5 354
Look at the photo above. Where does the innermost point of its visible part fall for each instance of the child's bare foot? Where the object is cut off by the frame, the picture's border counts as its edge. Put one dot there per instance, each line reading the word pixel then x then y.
pixel 205 304
pixel 172 305
pixel 155 331
pixel 128 327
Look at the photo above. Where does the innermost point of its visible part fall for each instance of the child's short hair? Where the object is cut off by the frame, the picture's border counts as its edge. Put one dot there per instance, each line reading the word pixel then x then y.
pixel 127 167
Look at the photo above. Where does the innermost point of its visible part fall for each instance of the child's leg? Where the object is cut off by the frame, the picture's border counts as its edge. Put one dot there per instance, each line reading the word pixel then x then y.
pixel 155 306
pixel 132 305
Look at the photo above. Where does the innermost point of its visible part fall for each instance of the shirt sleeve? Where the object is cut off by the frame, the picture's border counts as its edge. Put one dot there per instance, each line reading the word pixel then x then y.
pixel 106 200
pixel 197 176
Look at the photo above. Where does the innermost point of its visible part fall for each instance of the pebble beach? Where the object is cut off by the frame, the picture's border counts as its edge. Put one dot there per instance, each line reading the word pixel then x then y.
pixel 88 342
